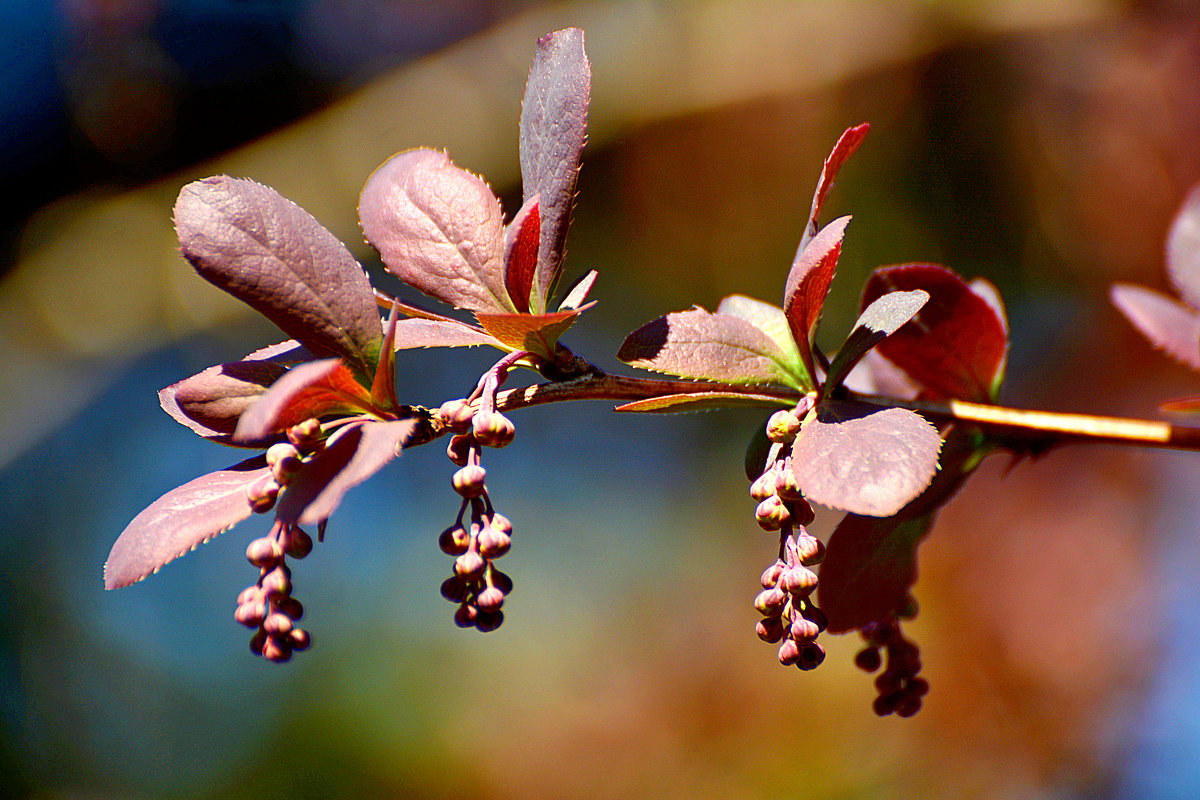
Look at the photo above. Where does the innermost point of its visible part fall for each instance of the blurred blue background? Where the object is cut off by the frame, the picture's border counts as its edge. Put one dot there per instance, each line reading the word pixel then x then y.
pixel 1042 145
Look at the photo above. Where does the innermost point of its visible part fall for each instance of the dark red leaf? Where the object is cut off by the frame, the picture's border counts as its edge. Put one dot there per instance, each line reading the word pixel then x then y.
pixel 438 228
pixel 1167 323
pixel 354 453
pixel 808 284
pixel 1183 249
pixel 273 255
pixel 957 344
pixel 536 333
pixel 315 389
pixel 521 255
pixel 211 402
pixel 180 520
pixel 847 143
pixel 716 347
pixel 865 459
pixel 878 321
pixel 553 132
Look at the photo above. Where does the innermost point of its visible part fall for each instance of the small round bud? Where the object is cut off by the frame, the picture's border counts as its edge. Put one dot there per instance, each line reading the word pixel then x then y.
pixel 493 543
pixel 454 589
pixel 918 686
pixel 772 514
pixel 290 606
pixel 277 649
pixel 493 429
pixel 907 705
pixel 465 616
pixel 490 599
pixel 468 481
pixel 810 550
pixel 786 486
pixel 909 609
pixel 816 616
pixel 763 486
pixel 251 594
pixel 297 543
pixel 804 630
pixel 885 704
pixel 306 435
pixel 502 523
pixel 770 602
pixel 456 415
pixel 262 494
pixel 782 427
pixel 250 614
pixel 789 652
pixel 488 621
pixel 264 552
pixel 455 540
pixel 277 624
pixel 300 639
pixel 798 581
pixel 277 582
pixel 284 460
pixel 257 641
pixel 802 511
pixel 888 682
pixel 770 576
pixel 501 581
pixel 469 565
pixel 868 659
pixel 458 449
pixel 770 630
pixel 811 656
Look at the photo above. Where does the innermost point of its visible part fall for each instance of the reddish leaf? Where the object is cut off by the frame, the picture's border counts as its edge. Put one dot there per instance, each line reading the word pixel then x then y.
pixel 1183 405
pixel 700 401
pixel 1183 249
pixel 383 387
pixel 354 453
pixel 289 352
pixel 870 564
pixel 212 401
pixel 412 333
pixel 315 389
pixel 180 520
pixel 864 459
pixel 438 228
pixel 770 320
pixel 553 132
pixel 847 143
pixel 957 344
pixel 808 284
pixel 878 321
pixel 536 333
pixel 273 255
pixel 1167 323
pixel 704 346
pixel 520 254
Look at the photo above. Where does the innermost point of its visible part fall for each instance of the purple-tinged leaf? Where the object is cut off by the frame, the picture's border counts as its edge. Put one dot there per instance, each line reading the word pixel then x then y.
pixel 577 294
pixel 700 401
pixel 354 453
pixel 771 320
pixel 870 564
pixel 876 375
pixel 553 132
pixel 212 401
pixel 274 256
pixel 521 254
pixel 536 333
pixel 1167 323
pixel 1183 249
pixel 957 344
pixel 438 228
pixel 283 353
pixel 847 143
pixel 312 390
pixel 699 345
pixel 864 459
pixel 411 333
pixel 878 321
pixel 383 387
pixel 808 284
pixel 181 520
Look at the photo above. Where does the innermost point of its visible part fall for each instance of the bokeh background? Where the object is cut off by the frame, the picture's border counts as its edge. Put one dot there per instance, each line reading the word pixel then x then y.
pixel 1044 145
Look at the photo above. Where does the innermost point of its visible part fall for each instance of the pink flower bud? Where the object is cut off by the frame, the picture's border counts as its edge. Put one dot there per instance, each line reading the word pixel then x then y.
pixel 250 614
pixel 297 543
pixel 257 641
pixel 798 581
pixel 465 616
pixel 490 599
pixel 277 582
pixel 306 435
pixel 468 481
pixel 493 429
pixel 469 566
pixel 763 486
pixel 262 494
pixel 810 550
pixel 290 606
pixel 502 523
pixel 493 543
pixel 804 630
pixel 772 514
pixel 782 427
pixel 454 541
pixel 770 602
pixel 811 656
pixel 789 652
pixel 456 415
pixel 770 576
pixel 770 630
pixel 454 589
pixel 277 649
pixel 284 460
pixel 300 639
pixel 488 621
pixel 501 581
pixel 264 552
pixel 277 624
pixel 459 448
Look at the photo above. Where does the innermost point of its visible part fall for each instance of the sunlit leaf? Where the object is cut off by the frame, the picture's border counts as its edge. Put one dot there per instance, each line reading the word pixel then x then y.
pixel 957 344
pixel 771 320
pixel 716 347
pixel 212 401
pixel 273 255
pixel 182 519
pixel 315 389
pixel 808 284
pixel 1167 323
pixel 383 387
pixel 578 291
pixel 438 228
pixel 847 143
pixel 521 253
pixel 553 132
pixel 879 320
pixel 864 459
pixel 412 333
pixel 1183 249
pixel 354 453
pixel 536 333
pixel 701 401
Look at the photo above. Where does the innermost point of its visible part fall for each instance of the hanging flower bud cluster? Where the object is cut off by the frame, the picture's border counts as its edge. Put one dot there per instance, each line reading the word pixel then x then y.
pixel 480 534
pixel 268 606
pixel 790 617
pixel 900 689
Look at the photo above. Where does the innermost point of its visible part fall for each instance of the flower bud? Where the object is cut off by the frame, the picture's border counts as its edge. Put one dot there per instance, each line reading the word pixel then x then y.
pixel 907 705
pixel 488 621
pixel 770 602
pixel 816 616
pixel 456 415
pixel 802 511
pixel 465 616
pixel 251 594
pixel 454 589
pixel 502 523
pixel 257 641
pixel 798 580
pixel 277 582
pixel 469 566
pixel 810 550
pixel 459 448
pixel 772 514
pixel 490 599
pixel 300 639
pixel 468 481
pixel 868 659
pixel 262 494
pixel 493 429
pixel 789 652
pixel 501 581
pixel 284 460
pixel 455 540
pixel 493 543
pixel 277 649
pixel 811 656
pixel 763 486
pixel 770 576
pixel 277 624
pixel 786 486
pixel 306 435
pixel 290 606
pixel 250 614
pixel 297 543
pixel 264 552
pixel 782 427
pixel 770 630
pixel 804 630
